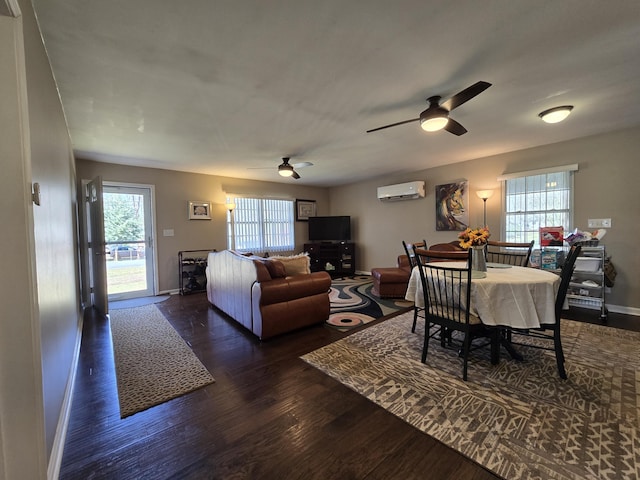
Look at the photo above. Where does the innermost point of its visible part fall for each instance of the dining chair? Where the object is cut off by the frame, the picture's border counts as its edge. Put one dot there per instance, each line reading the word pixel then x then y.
pixel 447 299
pixel 551 330
pixel 408 248
pixel 510 253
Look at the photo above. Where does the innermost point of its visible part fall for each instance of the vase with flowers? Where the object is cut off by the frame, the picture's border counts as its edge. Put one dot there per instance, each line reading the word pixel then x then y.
pixel 476 239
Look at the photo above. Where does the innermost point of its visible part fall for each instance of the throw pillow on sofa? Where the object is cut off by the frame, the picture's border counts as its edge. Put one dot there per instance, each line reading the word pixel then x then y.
pixel 275 267
pixel 295 264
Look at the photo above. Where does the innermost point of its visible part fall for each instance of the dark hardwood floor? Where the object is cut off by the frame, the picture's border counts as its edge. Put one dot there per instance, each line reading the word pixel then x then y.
pixel 268 415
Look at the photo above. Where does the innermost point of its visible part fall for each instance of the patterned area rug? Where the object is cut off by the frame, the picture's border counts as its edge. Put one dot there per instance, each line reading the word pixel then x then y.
pixel 353 304
pixel 153 362
pixel 517 419
pixel 136 302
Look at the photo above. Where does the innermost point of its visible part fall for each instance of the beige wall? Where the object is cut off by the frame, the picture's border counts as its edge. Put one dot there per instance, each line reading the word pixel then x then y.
pixel 40 320
pixel 173 191
pixel 605 187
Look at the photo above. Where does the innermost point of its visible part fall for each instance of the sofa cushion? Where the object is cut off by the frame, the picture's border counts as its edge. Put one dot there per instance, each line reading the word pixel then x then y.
pixel 295 264
pixel 276 268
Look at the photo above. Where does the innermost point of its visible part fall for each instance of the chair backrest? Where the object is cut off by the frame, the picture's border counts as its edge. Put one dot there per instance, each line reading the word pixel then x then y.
pixel 446 247
pixel 445 287
pixel 565 278
pixel 510 253
pixel 408 248
pixel 446 255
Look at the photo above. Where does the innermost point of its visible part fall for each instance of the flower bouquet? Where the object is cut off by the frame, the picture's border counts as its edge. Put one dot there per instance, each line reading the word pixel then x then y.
pixel 474 237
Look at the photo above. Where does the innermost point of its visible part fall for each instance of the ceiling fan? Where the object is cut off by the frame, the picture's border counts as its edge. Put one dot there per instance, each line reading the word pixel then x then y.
pixel 286 169
pixel 436 116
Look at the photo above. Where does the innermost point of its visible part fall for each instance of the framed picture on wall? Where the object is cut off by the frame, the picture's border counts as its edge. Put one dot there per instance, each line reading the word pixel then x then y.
pixel 452 211
pixel 305 209
pixel 199 210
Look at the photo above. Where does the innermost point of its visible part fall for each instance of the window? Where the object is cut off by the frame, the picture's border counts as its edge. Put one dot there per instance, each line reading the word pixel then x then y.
pixel 259 225
pixel 534 200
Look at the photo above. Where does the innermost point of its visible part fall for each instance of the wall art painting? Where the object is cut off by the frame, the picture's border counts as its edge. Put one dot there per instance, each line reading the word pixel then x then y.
pixel 199 211
pixel 452 200
pixel 305 209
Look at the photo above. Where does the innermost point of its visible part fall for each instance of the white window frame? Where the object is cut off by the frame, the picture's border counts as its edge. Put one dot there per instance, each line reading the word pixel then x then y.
pixel 534 199
pixel 261 224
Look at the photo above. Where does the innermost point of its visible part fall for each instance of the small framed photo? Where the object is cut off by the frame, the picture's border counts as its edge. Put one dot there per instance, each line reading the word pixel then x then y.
pixel 305 209
pixel 199 210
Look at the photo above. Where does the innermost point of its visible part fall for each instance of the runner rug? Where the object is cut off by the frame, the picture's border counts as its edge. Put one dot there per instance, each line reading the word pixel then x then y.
pixel 517 419
pixel 153 363
pixel 353 304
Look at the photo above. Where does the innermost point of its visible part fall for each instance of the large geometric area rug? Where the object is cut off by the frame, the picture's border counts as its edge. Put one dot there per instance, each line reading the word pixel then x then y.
pixel 353 304
pixel 153 363
pixel 516 419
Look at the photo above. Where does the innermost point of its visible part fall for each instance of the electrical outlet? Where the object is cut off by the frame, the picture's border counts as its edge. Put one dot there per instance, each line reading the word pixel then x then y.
pixel 599 223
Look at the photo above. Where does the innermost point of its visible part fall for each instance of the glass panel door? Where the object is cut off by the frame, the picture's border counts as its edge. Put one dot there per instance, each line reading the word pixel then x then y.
pixel 129 241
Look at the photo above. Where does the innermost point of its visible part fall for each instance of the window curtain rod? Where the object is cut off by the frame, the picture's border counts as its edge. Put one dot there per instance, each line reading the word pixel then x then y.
pixel 563 168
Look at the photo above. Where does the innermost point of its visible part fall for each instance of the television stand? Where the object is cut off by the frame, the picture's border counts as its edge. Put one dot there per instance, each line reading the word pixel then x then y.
pixel 337 259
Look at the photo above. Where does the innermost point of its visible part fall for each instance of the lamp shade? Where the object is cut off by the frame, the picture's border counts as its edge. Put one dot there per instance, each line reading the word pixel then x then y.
pixel 484 194
pixel 556 114
pixel 230 206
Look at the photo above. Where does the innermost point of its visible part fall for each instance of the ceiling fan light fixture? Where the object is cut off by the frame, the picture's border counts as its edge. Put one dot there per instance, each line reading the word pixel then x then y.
pixel 285 170
pixel 433 124
pixel 556 114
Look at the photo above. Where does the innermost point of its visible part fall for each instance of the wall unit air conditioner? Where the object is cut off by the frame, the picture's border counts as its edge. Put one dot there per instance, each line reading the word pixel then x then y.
pixel 401 191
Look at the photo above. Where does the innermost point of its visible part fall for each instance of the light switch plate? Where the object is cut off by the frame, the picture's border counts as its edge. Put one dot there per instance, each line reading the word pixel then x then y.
pixel 168 232
pixel 599 223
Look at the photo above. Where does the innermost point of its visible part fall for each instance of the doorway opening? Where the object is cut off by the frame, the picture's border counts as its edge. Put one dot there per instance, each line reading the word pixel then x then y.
pixel 129 240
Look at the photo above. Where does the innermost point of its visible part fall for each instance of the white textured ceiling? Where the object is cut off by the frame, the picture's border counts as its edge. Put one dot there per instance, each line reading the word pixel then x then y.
pixel 221 86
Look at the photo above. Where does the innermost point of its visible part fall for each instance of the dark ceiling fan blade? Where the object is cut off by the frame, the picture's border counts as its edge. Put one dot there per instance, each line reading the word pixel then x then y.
pixel 454 127
pixel 465 95
pixel 295 175
pixel 393 125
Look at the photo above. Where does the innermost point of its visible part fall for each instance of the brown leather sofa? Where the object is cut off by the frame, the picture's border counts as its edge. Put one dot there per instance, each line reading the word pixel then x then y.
pixel 257 293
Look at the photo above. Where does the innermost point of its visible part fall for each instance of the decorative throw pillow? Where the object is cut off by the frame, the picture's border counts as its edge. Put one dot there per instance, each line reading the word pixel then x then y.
pixel 295 264
pixel 275 267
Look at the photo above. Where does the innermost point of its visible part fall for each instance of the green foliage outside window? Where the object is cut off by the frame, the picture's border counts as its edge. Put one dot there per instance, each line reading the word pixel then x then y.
pixel 123 217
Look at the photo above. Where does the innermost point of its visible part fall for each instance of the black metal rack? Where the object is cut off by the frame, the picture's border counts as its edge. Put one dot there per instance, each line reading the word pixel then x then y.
pixel 192 265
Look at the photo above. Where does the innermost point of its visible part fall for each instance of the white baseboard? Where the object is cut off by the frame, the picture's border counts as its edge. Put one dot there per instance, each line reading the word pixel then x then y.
pixel 175 291
pixel 57 449
pixel 623 309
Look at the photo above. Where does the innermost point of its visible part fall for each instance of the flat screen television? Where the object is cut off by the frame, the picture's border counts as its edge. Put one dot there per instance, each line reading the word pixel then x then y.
pixel 330 229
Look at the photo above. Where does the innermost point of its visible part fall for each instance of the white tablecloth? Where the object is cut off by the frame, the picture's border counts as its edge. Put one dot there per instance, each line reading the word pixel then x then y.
pixel 518 297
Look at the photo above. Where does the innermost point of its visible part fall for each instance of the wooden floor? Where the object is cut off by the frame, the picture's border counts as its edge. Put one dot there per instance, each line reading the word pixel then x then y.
pixel 268 416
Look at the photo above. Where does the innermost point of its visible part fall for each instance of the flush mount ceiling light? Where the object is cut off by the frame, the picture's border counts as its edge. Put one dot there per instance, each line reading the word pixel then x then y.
pixel 556 114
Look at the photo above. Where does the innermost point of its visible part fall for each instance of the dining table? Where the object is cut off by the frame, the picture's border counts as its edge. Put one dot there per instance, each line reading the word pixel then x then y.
pixel 506 297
